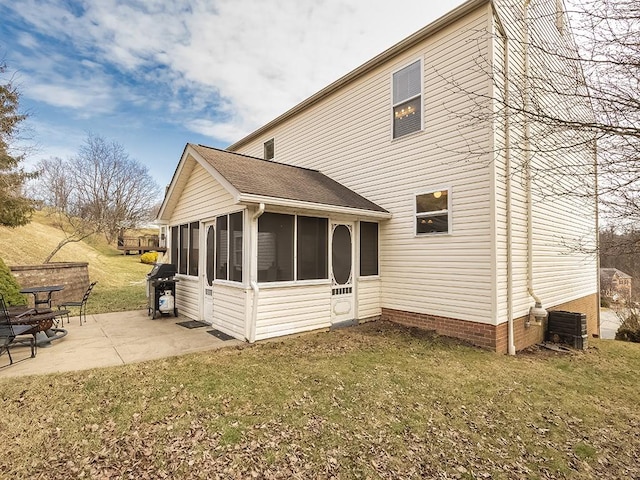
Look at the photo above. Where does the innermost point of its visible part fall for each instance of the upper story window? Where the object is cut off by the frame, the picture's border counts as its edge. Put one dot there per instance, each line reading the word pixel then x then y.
pixel 433 212
pixel 269 149
pixel 407 100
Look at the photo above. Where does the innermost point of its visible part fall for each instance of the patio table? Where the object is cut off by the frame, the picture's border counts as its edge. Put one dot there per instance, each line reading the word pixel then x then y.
pixel 43 317
pixel 48 289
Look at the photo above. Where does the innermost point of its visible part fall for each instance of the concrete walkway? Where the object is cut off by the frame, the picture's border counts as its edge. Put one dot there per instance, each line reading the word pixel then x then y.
pixel 112 339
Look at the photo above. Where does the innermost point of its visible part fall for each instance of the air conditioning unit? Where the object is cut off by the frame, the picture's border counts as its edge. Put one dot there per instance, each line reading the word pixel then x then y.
pixel 567 327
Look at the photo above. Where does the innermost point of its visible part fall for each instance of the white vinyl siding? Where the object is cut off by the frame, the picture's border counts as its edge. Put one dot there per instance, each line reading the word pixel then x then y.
pixel 293 309
pixel 561 220
pixel 369 290
pixel 346 136
pixel 229 310
pixel 202 199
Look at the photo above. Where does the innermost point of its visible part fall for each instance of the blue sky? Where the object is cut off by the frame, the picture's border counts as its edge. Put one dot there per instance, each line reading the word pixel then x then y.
pixel 156 74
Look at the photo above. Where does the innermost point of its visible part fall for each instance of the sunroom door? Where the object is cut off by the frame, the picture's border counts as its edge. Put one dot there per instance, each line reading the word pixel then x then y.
pixel 208 272
pixel 342 273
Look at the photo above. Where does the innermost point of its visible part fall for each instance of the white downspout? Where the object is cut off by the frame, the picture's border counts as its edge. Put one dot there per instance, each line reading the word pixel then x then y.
pixel 527 164
pixel 511 346
pixel 254 275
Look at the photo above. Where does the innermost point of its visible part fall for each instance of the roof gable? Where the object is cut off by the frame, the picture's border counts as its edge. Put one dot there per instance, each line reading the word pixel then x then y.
pixel 254 180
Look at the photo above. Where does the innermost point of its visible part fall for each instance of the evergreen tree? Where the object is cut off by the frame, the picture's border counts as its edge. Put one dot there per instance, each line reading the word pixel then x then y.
pixel 15 208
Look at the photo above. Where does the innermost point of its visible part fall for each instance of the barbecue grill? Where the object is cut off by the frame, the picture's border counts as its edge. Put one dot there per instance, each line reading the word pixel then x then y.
pixel 160 280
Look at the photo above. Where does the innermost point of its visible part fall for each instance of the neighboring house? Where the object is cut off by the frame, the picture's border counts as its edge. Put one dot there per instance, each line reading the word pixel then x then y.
pixel 364 202
pixel 615 284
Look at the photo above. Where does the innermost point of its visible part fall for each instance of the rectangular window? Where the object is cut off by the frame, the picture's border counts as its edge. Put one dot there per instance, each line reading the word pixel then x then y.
pixel 275 247
pixel 222 242
pixel 281 238
pixel 175 244
pixel 432 212
pixel 236 229
pixel 194 248
pixel 368 249
pixel 407 100
pixel 269 149
pixel 184 248
pixel 312 248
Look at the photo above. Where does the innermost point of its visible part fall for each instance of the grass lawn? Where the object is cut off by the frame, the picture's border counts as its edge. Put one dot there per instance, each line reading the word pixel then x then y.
pixel 121 278
pixel 374 401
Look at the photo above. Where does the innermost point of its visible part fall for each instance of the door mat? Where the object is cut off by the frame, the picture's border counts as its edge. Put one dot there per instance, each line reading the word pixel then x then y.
pixel 218 334
pixel 193 324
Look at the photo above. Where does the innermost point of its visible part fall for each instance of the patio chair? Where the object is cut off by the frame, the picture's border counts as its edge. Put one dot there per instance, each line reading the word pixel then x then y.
pixel 82 304
pixel 10 332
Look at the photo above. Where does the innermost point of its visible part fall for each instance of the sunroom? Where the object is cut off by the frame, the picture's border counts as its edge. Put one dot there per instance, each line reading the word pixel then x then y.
pixel 265 249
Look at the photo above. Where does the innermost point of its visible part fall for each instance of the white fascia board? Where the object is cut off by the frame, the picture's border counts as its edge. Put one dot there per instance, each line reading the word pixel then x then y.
pixel 320 207
pixel 172 185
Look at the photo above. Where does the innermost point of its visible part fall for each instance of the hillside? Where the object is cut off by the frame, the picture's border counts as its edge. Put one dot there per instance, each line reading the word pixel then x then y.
pixel 121 279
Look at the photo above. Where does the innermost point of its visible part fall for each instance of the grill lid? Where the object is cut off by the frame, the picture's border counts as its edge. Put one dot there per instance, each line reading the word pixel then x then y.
pixel 162 270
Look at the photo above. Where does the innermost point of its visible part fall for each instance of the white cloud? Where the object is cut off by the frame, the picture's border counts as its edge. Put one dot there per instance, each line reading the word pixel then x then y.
pixel 231 65
pixel 228 132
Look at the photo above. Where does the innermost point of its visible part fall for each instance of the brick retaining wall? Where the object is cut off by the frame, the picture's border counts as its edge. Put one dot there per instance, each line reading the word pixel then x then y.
pixel 73 275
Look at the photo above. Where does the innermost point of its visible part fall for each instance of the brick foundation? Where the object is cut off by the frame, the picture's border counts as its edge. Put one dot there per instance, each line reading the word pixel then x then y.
pixel 494 337
pixel 74 277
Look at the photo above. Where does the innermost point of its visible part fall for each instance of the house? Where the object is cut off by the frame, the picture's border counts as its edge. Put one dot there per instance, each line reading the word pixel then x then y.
pixel 615 284
pixel 379 197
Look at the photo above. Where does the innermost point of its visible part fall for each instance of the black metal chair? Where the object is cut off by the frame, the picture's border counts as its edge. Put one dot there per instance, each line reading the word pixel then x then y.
pixel 82 304
pixel 10 332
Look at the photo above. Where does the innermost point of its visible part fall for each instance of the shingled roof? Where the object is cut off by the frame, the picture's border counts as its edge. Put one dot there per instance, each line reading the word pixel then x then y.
pixel 265 178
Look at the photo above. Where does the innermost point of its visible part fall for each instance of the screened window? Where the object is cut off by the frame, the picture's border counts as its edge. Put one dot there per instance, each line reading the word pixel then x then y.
pixel 229 247
pixel 175 245
pixel 283 238
pixel 222 248
pixel 269 149
pixel 184 248
pixel 432 212
pixel 235 246
pixel 368 249
pixel 407 100
pixel 312 248
pixel 275 247
pixel 194 248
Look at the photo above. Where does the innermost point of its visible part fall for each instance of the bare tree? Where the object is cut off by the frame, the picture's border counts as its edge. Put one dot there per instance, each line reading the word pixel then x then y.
pixel 608 39
pixel 570 94
pixel 100 190
pixel 15 208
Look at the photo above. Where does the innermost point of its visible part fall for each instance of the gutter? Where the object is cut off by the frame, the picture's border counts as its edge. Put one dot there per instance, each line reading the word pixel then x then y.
pixel 511 346
pixel 248 198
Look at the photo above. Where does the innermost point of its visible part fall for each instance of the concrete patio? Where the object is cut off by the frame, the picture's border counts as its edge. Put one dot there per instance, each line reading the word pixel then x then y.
pixel 112 339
